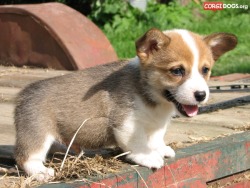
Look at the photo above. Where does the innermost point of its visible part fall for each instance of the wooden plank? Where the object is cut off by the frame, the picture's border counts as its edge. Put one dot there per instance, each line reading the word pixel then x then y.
pixel 11 70
pixel 8 94
pixel 205 127
pixel 7 133
pixel 20 77
pixel 6 110
pixel 17 81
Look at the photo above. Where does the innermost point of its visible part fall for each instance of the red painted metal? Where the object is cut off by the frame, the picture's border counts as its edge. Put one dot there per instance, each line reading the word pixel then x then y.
pixel 192 167
pixel 51 35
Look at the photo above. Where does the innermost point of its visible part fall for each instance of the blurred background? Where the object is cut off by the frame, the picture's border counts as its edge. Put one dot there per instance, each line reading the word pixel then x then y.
pixel 123 21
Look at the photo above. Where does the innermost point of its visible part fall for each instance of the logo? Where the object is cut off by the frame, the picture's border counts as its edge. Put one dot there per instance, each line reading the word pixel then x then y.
pixel 220 6
pixel 213 6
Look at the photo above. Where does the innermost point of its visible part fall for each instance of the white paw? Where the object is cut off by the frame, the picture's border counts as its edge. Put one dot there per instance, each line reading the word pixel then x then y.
pixel 151 160
pixel 45 176
pixel 166 151
pixel 38 171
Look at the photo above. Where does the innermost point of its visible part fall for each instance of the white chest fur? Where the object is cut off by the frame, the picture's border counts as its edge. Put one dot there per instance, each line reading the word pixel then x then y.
pixel 142 133
pixel 151 118
pixel 144 124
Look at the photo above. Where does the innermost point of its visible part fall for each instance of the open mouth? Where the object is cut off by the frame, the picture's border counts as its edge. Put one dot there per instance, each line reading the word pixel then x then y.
pixel 184 109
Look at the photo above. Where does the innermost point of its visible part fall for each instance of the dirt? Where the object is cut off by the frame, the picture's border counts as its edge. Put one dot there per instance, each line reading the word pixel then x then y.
pixel 230 181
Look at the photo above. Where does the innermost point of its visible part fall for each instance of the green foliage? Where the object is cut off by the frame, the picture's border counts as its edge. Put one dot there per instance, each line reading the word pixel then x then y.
pixel 123 24
pixel 26 1
pixel 232 21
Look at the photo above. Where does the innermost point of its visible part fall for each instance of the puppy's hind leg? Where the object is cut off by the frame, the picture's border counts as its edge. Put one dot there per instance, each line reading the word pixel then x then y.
pixel 34 166
pixel 36 130
pixel 31 151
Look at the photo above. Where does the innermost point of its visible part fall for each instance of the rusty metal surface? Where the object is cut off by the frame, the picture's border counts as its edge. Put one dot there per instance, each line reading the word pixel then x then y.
pixel 192 167
pixel 51 35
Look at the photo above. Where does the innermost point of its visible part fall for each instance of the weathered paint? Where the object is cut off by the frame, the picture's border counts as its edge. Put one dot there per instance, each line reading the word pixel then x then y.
pixel 109 182
pixel 157 179
pixel 190 183
pixel 192 167
pixel 127 179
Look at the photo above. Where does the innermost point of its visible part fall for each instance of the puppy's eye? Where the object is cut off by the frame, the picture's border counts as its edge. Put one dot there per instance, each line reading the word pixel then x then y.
pixel 205 70
pixel 178 71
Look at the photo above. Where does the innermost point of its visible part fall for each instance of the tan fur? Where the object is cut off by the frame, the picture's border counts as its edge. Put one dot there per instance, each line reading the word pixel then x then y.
pixel 59 105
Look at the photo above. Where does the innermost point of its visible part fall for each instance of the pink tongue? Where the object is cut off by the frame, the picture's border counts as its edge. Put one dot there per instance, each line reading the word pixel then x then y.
pixel 191 110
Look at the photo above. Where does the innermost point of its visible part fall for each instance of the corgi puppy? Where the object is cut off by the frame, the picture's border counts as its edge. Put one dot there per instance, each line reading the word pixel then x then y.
pixel 127 103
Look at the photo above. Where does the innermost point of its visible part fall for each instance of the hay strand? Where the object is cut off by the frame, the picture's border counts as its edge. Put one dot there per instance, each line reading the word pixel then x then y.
pixel 140 176
pixel 71 142
pixel 122 154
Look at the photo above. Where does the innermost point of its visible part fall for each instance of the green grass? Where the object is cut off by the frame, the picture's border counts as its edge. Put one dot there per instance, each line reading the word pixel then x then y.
pixel 124 28
pixel 237 60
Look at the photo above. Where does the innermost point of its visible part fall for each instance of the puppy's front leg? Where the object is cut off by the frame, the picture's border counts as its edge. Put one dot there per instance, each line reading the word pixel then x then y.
pixel 134 139
pixel 156 142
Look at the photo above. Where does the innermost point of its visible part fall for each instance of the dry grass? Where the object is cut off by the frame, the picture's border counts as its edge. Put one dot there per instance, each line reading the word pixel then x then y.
pixel 241 128
pixel 70 168
pixel 74 168
pixel 83 167
pixel 201 139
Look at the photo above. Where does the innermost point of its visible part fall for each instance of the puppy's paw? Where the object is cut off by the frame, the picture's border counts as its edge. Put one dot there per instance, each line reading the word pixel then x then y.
pixel 166 151
pixel 45 176
pixel 38 171
pixel 151 160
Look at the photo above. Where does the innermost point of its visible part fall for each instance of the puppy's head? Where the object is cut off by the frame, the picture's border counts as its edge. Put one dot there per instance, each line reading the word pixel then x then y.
pixel 176 65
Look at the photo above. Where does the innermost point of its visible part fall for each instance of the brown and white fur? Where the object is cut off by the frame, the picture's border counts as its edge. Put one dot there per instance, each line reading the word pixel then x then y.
pixel 129 103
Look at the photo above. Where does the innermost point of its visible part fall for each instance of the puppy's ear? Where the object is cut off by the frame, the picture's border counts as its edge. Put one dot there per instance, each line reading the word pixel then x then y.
pixel 220 43
pixel 151 42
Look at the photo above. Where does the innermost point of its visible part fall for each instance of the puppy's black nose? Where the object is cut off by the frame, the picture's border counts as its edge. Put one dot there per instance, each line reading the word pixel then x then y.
pixel 200 95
